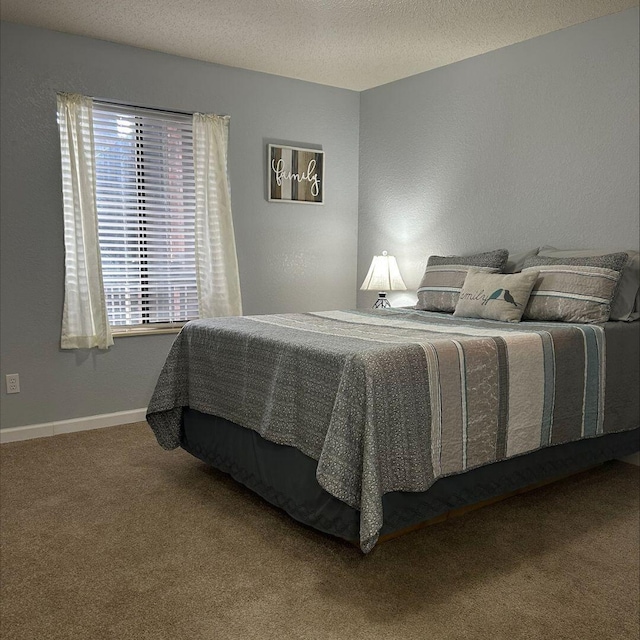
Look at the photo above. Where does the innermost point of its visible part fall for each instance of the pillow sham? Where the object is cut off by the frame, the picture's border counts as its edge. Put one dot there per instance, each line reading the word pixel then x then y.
pixel 614 261
pixel 573 292
pixel 626 302
pixel 444 276
pixel 495 296
pixel 441 286
pixel 494 259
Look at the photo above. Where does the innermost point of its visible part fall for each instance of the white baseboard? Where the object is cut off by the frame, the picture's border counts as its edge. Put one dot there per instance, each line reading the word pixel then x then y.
pixel 634 459
pixel 46 429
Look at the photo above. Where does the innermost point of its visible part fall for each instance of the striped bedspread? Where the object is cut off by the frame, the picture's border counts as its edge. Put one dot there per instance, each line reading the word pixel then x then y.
pixel 388 400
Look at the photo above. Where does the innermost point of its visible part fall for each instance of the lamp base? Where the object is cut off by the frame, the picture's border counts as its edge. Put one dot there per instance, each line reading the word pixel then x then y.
pixel 382 302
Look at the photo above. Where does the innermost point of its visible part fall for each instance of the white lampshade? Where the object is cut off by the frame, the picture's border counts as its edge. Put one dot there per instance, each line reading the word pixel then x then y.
pixel 383 275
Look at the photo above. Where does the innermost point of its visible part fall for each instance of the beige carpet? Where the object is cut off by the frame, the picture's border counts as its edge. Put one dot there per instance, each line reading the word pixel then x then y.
pixel 105 535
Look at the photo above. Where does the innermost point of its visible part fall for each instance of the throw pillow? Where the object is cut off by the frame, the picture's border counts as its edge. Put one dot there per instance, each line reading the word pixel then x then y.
pixel 495 296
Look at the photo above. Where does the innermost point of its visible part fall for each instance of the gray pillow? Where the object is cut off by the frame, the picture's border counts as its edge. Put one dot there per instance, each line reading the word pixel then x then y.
pixel 441 285
pixel 626 302
pixel 495 296
pixel 516 260
pixel 614 261
pixel 444 276
pixel 494 259
pixel 571 292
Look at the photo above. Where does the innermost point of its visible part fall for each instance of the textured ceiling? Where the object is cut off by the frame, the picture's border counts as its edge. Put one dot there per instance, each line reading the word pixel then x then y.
pixel 356 44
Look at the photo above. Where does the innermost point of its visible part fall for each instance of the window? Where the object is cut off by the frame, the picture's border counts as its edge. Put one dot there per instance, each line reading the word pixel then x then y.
pixel 148 229
pixel 145 199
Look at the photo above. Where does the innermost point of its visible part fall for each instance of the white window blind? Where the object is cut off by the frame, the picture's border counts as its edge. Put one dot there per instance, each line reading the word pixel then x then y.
pixel 145 196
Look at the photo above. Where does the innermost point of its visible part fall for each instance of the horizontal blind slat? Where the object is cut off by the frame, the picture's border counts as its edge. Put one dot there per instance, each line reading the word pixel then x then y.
pixel 108 109
pixel 145 190
pixel 124 176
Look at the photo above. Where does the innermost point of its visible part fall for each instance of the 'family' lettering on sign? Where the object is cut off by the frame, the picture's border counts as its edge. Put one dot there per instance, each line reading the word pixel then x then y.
pixel 309 175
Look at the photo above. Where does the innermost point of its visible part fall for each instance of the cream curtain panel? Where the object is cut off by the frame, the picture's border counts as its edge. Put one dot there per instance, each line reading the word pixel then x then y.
pixel 217 276
pixel 84 320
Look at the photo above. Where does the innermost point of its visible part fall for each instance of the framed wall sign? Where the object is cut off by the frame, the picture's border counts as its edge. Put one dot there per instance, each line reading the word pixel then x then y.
pixel 296 175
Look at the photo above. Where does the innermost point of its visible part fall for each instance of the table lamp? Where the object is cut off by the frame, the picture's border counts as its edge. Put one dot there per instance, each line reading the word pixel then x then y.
pixel 383 276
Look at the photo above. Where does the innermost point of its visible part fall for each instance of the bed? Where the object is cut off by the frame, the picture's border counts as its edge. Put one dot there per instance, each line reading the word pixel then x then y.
pixel 363 423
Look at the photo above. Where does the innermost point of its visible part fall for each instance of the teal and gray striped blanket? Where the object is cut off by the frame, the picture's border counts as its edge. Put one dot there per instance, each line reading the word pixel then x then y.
pixel 388 400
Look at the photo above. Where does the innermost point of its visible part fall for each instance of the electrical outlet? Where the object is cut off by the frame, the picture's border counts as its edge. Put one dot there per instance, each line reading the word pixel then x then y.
pixel 13 383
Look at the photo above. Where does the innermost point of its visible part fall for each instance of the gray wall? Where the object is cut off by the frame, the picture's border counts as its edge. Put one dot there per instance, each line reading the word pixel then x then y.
pixel 291 257
pixel 536 143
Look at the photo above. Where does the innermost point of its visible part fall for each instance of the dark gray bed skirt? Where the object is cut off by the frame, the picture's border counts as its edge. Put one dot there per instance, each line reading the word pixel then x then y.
pixel 286 478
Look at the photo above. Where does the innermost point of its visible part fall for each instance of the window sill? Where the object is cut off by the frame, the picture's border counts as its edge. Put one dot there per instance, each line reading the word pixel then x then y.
pixel 129 332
